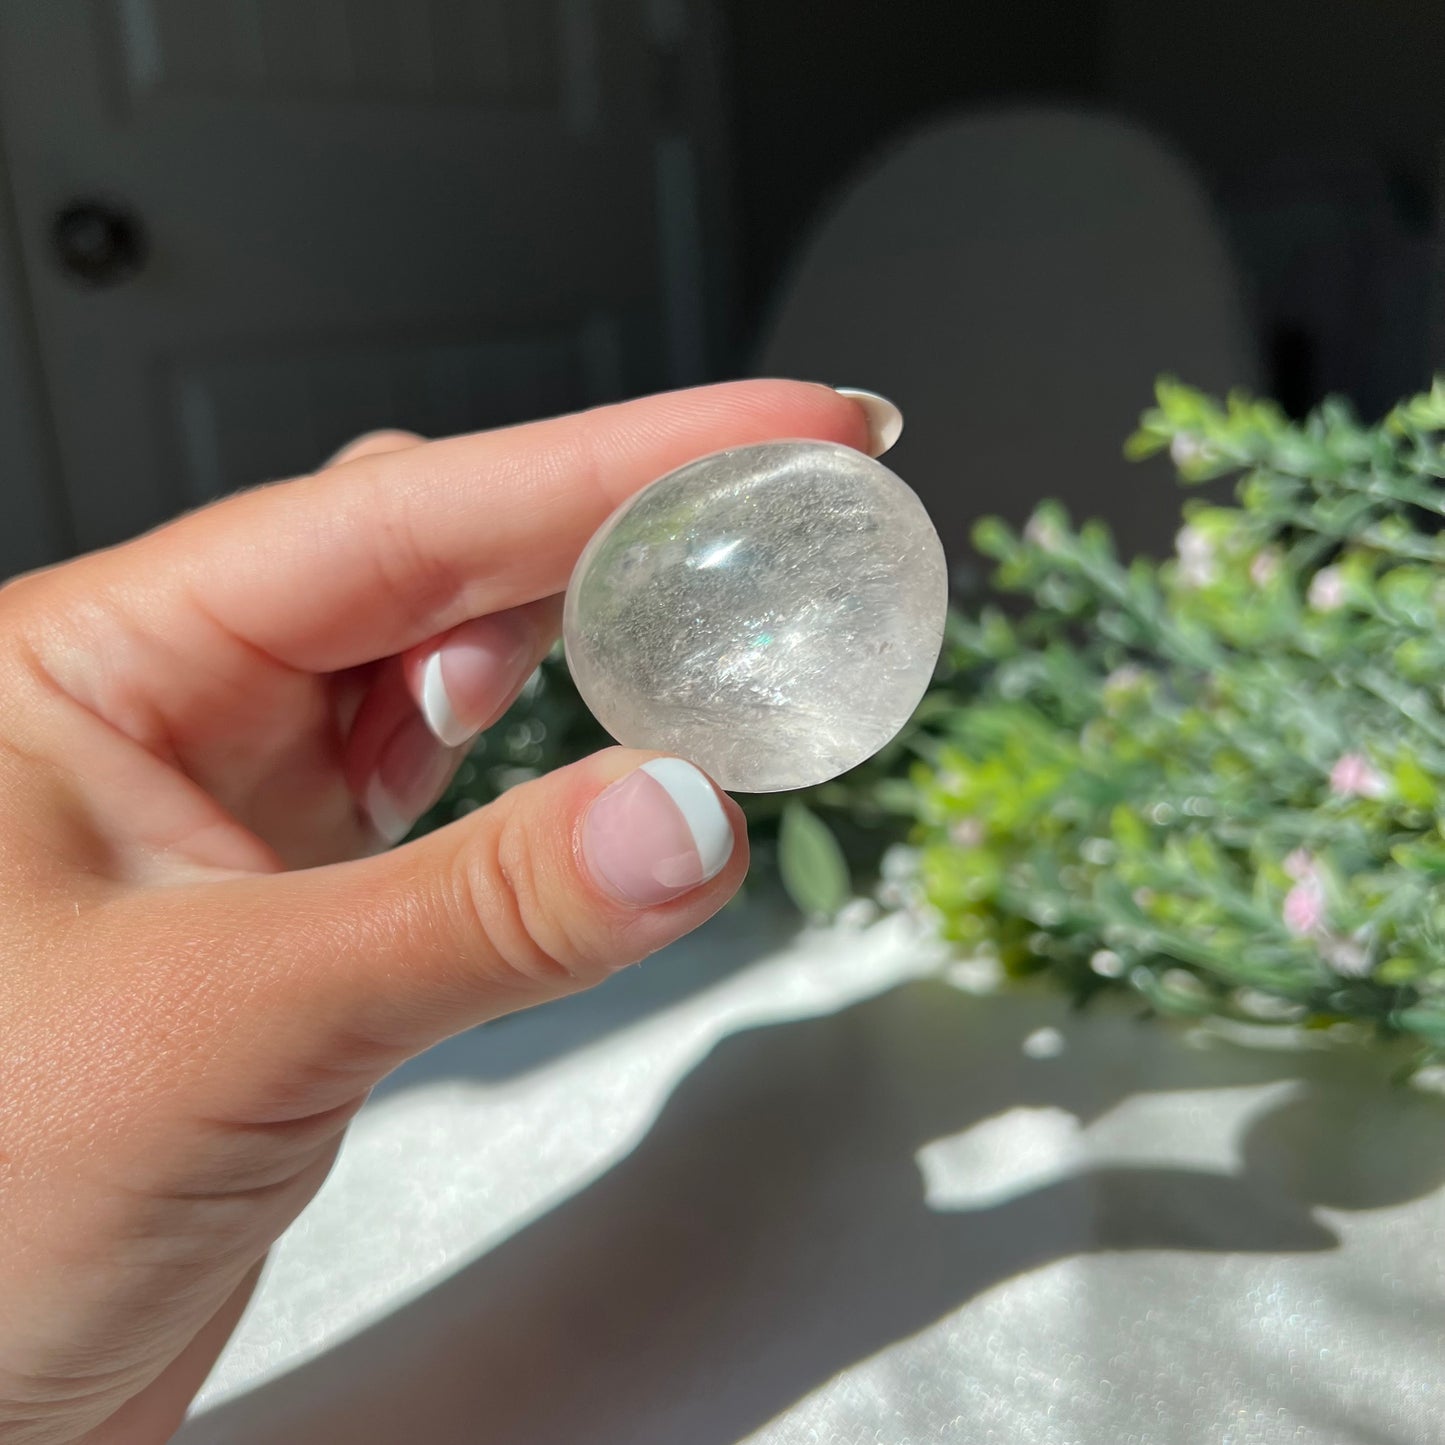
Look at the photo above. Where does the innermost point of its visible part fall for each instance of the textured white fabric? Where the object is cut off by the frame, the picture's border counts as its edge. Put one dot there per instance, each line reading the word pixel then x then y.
pixel 823 1192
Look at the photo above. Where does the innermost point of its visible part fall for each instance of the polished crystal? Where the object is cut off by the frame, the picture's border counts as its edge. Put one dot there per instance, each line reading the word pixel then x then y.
pixel 772 613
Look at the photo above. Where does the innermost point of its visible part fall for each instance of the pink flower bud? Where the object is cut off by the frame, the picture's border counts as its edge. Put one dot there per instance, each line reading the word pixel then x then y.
pixel 1304 907
pixel 1196 557
pixel 1042 533
pixel 1349 957
pixel 1353 776
pixel 1264 567
pixel 1327 590
pixel 1300 864
pixel 1185 449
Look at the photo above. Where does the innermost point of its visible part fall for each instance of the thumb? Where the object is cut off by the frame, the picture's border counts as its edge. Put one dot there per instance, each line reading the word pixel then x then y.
pixel 346 970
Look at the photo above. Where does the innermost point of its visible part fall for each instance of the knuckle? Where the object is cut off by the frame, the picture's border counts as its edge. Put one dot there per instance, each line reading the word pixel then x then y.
pixel 507 902
pixel 409 573
pixel 22 590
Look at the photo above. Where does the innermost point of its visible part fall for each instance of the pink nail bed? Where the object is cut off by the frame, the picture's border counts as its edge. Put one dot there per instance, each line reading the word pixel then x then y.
pixel 475 670
pixel 410 775
pixel 657 833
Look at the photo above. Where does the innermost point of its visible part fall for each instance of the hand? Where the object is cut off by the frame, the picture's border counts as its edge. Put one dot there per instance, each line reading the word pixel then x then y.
pixel 205 963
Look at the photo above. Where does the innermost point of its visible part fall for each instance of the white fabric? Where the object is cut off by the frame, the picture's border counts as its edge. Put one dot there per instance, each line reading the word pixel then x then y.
pixel 824 1192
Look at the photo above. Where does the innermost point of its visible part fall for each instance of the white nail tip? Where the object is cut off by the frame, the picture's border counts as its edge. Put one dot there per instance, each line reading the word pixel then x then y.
pixel 885 421
pixel 392 825
pixel 436 706
pixel 701 808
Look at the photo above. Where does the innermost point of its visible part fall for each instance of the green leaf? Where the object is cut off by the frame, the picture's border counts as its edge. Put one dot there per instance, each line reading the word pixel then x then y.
pixel 1425 411
pixel 993 537
pixel 1144 443
pixel 1398 970
pixel 1428 1023
pixel 812 865
pixel 1414 785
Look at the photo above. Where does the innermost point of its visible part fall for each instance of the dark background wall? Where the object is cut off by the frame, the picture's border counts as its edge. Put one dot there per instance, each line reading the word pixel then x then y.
pixel 1317 125
pixel 337 246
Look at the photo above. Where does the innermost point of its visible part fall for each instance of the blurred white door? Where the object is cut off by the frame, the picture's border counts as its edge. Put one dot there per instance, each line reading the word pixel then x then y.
pixel 253 228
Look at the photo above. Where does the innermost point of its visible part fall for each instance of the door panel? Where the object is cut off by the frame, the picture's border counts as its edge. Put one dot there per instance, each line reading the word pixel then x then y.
pixel 241 419
pixel 358 213
pixel 492 52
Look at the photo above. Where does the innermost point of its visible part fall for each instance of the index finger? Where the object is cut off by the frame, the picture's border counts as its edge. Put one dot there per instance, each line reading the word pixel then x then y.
pixel 373 556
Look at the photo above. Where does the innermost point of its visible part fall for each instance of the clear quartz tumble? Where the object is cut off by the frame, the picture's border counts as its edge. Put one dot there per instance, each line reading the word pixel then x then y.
pixel 772 613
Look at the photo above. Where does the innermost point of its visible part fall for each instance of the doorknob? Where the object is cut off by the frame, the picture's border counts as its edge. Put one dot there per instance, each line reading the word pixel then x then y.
pixel 98 243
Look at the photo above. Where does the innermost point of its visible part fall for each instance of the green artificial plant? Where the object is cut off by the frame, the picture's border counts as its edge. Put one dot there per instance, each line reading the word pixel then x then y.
pixel 1215 781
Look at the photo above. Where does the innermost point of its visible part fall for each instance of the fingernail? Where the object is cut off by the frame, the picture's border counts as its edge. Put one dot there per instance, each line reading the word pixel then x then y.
pixel 656 833
pixel 469 678
pixel 885 421
pixel 411 774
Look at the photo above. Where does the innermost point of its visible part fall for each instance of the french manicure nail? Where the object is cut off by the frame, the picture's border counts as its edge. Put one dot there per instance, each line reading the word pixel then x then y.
pixel 885 421
pixel 410 775
pixel 390 823
pixel 472 675
pixel 656 833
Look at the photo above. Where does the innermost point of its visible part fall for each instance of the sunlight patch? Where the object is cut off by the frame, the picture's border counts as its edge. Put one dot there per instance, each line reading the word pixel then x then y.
pixel 1001 1158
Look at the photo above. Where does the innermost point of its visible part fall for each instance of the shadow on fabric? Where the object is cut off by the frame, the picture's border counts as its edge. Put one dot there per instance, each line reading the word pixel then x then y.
pixel 771 1229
